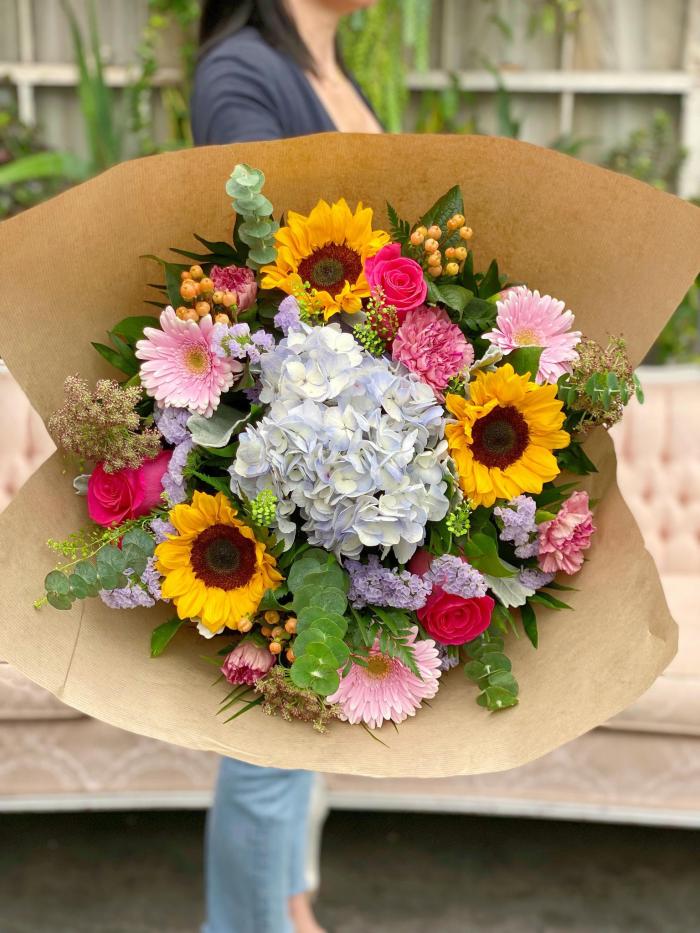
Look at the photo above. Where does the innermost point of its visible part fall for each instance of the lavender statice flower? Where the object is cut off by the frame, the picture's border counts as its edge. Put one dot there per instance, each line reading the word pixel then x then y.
pixel 519 526
pixel 373 584
pixel 161 529
pixel 172 423
pixel 535 579
pixel 173 479
pixel 238 342
pixel 449 656
pixel 141 591
pixel 288 316
pixel 456 576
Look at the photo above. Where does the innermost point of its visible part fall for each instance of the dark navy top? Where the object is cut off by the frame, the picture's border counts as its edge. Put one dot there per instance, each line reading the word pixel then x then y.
pixel 244 90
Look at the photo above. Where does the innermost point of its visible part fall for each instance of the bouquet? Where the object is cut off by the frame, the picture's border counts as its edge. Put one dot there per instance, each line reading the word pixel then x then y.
pixel 338 451
pixel 351 461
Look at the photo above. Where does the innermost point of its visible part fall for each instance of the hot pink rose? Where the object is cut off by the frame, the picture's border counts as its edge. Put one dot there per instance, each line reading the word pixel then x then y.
pixel 247 663
pixel 400 278
pixel 432 347
pixel 236 279
pixel 115 497
pixel 564 539
pixel 453 620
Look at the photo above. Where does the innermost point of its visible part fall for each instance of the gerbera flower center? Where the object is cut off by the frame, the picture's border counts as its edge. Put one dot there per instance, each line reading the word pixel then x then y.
pixel 500 438
pixel 378 666
pixel 222 556
pixel 197 360
pixel 329 266
pixel 527 338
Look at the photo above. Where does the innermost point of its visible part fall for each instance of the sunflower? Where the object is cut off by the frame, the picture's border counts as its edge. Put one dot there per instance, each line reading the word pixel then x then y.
pixel 327 249
pixel 505 433
pixel 214 568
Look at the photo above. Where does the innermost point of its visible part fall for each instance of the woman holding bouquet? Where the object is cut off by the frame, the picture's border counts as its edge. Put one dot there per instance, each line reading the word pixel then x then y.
pixel 267 70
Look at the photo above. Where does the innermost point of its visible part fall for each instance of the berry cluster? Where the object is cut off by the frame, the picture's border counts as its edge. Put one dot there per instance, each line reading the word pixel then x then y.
pixel 200 297
pixel 439 258
pixel 279 635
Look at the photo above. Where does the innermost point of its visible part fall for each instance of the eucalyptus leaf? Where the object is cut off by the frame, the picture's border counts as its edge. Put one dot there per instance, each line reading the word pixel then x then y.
pixel 509 590
pixel 57 582
pixel 217 430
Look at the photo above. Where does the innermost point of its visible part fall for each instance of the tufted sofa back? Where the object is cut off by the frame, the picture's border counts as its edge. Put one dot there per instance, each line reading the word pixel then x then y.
pixel 658 447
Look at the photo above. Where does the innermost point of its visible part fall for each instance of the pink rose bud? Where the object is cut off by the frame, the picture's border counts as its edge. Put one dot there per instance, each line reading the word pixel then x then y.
pixel 247 663
pixel 400 278
pixel 113 498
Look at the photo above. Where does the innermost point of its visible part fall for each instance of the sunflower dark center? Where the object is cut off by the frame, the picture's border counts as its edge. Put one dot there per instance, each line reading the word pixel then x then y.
pixel 222 557
pixel 500 438
pixel 329 266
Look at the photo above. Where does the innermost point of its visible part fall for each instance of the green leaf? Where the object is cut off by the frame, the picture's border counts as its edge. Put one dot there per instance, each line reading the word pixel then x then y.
pixel 334 601
pixel 301 569
pixel 399 229
pixel 308 673
pixel 138 539
pixel 454 296
pixel 328 577
pixel 495 661
pixel 220 483
pixel 525 360
pixel 162 635
pixel 131 328
pixel 527 614
pixel 59 601
pixel 479 315
pixel 447 206
pixel 57 582
pixel 40 165
pixel 329 622
pixel 546 599
pixel 111 563
pixel 574 459
pixel 475 670
pixel 271 599
pixel 509 590
pixel 482 552
pixel 330 650
pixel 490 284
pixel 115 359
pixel 504 680
pixel 217 430
pixel 496 698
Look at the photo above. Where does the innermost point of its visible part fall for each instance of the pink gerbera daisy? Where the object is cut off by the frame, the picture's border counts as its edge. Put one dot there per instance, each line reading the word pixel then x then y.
pixel 180 367
pixel 385 688
pixel 528 319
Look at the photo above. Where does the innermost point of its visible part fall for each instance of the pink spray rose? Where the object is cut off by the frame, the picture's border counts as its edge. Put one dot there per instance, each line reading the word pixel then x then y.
pixel 247 663
pixel 113 498
pixel 563 539
pixel 400 278
pixel 236 279
pixel 453 620
pixel 432 347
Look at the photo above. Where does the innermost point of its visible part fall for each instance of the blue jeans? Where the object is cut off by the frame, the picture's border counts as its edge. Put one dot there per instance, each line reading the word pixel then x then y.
pixel 255 850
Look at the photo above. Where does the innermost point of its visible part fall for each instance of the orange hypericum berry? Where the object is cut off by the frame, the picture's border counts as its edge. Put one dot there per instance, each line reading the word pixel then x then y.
pixel 290 655
pixel 430 245
pixel 291 625
pixel 191 315
pixel 466 233
pixel 435 232
pixel 456 221
pixel 229 300
pixel 206 285
pixel 272 616
pixel 435 259
pixel 417 238
pixel 189 289
pixel 202 308
pixel 277 631
pixel 452 268
pixel 184 275
pixel 245 625
pixel 275 647
pixel 218 297
pixel 181 312
pixel 423 230
pixel 450 252
pixel 435 271
pixel 460 253
pixel 196 272
pixel 266 631
pixel 221 318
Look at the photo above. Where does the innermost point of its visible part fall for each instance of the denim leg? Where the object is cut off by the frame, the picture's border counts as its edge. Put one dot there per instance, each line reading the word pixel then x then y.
pixel 256 831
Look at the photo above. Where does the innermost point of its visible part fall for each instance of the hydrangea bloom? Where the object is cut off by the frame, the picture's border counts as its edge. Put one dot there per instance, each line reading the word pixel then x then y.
pixel 528 319
pixel 519 526
pixel 354 446
pixel 373 584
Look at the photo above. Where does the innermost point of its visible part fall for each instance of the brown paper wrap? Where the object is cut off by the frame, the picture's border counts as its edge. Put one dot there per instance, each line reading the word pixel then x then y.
pixel 618 252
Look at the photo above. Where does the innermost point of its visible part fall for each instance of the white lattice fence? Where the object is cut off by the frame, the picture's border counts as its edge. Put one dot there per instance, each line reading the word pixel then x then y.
pixel 599 81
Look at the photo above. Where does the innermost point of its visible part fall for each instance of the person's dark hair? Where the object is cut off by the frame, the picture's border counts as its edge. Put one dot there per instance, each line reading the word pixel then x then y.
pixel 223 18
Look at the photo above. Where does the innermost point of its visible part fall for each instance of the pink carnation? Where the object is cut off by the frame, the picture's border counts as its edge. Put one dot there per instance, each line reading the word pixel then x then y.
pixel 400 279
pixel 432 347
pixel 236 279
pixel 247 663
pixel 181 368
pixel 528 319
pixel 563 539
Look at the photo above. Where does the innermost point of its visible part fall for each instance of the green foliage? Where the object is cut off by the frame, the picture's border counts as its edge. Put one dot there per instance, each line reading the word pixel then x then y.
pixel 575 460
pixel 391 628
pixel 526 360
pixel 163 634
pixel 651 153
pixel 679 341
pixel 255 228
pixel 123 338
pixel 491 670
pixel 482 550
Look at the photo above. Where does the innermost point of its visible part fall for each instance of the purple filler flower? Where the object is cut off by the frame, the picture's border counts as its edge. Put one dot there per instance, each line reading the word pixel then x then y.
pixel 456 576
pixel 173 478
pixel 534 578
pixel 172 423
pixel 139 591
pixel 375 585
pixel 519 525
pixel 288 316
pixel 161 529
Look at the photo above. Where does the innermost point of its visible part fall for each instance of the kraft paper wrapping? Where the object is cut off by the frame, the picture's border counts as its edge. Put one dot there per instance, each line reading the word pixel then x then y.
pixel 618 252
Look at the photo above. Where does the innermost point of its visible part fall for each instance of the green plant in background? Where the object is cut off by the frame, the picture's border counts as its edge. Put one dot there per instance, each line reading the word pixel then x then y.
pixel 378 44
pixel 651 153
pixel 163 16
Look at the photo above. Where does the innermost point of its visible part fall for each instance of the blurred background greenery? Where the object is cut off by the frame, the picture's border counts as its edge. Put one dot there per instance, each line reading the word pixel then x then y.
pixel 391 48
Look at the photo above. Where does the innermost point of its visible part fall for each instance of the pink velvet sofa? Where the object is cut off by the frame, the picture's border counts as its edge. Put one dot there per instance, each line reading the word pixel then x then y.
pixel 643 766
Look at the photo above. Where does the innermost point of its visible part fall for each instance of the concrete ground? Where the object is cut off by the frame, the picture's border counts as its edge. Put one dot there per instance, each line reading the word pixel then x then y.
pixel 382 873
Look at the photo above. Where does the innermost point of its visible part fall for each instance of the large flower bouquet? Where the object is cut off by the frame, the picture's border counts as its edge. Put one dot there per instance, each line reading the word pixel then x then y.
pixel 338 452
